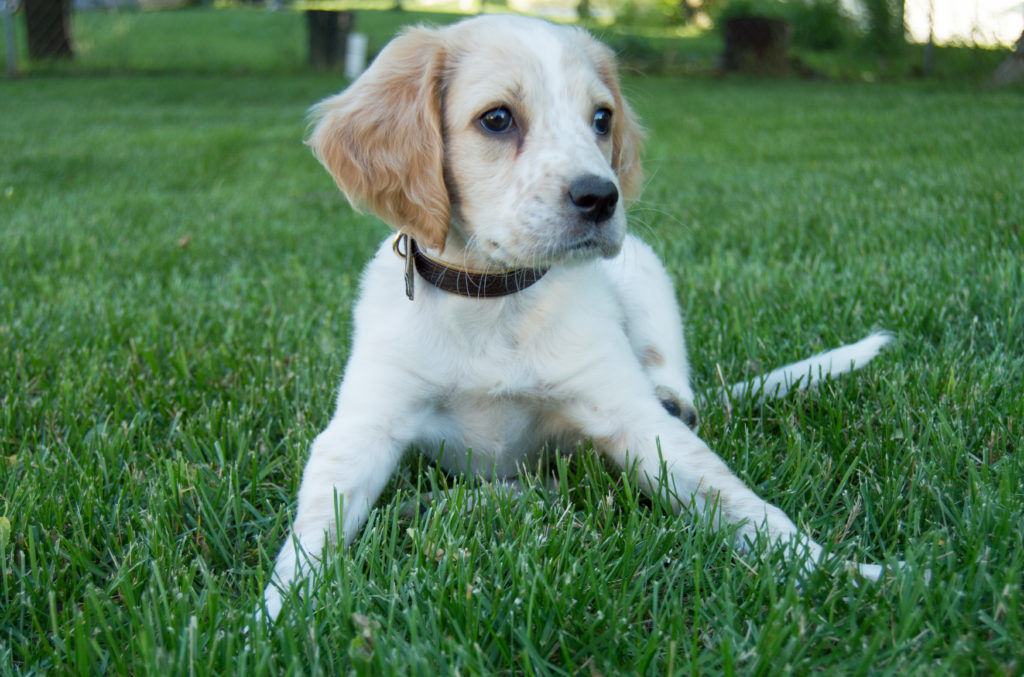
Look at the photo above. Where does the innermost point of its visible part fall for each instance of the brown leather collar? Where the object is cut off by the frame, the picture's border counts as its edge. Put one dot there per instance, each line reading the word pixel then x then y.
pixel 474 284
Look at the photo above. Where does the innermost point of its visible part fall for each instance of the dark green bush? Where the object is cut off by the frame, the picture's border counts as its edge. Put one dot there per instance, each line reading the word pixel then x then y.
pixel 772 9
pixel 886 34
pixel 820 25
pixel 635 14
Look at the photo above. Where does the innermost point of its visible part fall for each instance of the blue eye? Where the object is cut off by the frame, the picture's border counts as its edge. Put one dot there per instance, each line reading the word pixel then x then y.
pixel 497 120
pixel 602 121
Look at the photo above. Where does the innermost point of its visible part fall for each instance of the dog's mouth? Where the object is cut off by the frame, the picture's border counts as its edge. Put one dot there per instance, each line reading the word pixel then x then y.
pixel 551 249
pixel 586 243
pixel 588 247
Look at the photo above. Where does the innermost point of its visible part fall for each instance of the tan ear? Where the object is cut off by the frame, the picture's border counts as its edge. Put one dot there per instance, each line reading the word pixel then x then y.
pixel 628 147
pixel 627 134
pixel 381 138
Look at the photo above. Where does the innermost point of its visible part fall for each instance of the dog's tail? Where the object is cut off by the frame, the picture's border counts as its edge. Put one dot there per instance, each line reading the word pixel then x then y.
pixel 808 373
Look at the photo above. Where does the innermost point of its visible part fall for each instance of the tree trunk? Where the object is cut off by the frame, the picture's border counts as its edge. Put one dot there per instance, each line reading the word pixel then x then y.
pixel 756 44
pixel 49 29
pixel 328 32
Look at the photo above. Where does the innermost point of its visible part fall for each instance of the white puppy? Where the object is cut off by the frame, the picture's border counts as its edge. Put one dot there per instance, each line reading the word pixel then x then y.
pixel 528 321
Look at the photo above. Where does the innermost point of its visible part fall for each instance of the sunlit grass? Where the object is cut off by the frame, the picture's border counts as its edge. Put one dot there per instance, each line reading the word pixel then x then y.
pixel 236 38
pixel 233 40
pixel 176 280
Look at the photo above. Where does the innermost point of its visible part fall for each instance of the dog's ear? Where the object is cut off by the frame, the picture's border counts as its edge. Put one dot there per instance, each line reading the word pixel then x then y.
pixel 628 140
pixel 627 134
pixel 381 138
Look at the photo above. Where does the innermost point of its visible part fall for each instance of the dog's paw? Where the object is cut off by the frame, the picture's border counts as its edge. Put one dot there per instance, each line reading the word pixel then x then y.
pixel 675 406
pixel 266 613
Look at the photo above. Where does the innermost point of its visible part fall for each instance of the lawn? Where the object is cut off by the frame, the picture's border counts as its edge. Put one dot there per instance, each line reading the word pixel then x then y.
pixel 176 280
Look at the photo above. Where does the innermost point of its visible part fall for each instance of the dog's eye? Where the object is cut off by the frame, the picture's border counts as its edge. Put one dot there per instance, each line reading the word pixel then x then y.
pixel 602 121
pixel 497 120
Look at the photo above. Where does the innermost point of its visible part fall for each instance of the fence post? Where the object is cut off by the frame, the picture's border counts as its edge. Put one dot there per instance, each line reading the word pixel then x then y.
pixel 12 50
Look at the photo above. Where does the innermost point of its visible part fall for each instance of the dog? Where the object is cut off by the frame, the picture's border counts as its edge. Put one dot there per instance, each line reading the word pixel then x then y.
pixel 511 316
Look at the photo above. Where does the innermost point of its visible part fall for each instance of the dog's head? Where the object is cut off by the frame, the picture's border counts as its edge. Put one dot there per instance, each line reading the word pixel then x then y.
pixel 505 137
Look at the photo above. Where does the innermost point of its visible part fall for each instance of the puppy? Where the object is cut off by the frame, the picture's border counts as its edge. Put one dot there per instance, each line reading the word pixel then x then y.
pixel 512 315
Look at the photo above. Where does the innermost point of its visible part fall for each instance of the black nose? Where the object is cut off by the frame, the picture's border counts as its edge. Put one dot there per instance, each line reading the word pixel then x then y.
pixel 594 196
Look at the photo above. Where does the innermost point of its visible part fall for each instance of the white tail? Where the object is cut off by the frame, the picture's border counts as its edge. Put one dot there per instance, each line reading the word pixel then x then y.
pixel 808 373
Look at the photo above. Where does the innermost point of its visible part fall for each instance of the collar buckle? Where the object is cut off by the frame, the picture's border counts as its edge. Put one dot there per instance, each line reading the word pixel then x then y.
pixel 410 276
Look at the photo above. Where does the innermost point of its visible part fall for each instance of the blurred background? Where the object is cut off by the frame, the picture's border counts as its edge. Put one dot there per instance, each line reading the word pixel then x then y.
pixel 847 39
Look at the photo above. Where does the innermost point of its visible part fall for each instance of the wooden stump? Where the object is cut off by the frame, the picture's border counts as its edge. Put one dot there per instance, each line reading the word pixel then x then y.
pixel 328 32
pixel 756 44
pixel 49 29
pixel 1011 70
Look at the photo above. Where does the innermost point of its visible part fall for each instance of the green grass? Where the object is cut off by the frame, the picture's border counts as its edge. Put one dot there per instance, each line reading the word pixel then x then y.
pixel 176 280
pixel 240 39
pixel 201 40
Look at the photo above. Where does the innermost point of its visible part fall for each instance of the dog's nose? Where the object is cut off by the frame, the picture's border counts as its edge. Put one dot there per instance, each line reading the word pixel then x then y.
pixel 594 196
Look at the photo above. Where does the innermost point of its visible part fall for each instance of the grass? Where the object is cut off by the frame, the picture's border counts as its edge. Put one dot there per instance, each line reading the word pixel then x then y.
pixel 176 280
pixel 240 39
pixel 201 40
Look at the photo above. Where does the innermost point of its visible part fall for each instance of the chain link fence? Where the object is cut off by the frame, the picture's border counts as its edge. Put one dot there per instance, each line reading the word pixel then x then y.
pixel 88 36
pixel 211 35
pixel 110 36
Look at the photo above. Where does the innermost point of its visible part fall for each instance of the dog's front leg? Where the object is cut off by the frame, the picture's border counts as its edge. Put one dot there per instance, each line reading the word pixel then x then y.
pixel 350 463
pixel 671 459
pixel 679 464
pixel 653 325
